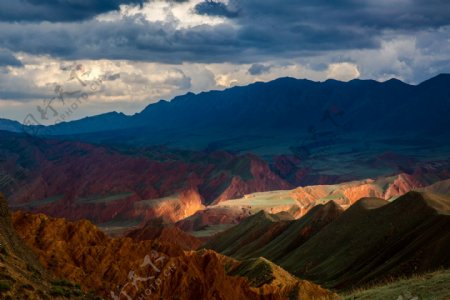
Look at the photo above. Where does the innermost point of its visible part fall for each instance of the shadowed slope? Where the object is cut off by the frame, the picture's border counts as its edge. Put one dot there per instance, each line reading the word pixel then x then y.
pixel 266 235
pixel 301 231
pixel 374 239
pixel 371 241
pixel 251 234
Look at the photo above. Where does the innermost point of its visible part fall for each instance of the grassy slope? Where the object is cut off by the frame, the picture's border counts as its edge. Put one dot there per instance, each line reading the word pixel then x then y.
pixel 370 242
pixel 367 244
pixel 236 240
pixel 266 235
pixel 433 286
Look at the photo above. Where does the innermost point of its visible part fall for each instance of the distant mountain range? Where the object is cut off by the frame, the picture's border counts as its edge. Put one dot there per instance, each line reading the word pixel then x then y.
pixel 8 125
pixel 261 112
pixel 291 104
pixel 308 132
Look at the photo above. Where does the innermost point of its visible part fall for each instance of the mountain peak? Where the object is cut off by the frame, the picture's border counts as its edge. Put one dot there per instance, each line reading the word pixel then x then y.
pixel 439 203
pixel 395 82
pixel 368 203
pixel 263 215
pixel 443 78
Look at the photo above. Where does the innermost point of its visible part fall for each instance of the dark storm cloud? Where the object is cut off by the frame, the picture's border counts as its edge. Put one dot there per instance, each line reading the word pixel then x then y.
pixel 8 59
pixel 214 8
pixel 58 10
pixel 258 69
pixel 131 38
pixel 134 38
pixel 260 31
pixel 377 14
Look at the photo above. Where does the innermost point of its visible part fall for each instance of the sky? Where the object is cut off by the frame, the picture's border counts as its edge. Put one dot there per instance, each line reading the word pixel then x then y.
pixel 80 58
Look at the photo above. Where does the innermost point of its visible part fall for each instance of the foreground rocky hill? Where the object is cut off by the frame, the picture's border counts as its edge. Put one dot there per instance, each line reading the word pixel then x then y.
pixel 22 276
pixel 118 267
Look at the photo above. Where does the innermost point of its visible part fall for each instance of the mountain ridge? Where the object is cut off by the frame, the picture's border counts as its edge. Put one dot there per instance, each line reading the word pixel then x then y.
pixel 183 109
pixel 372 241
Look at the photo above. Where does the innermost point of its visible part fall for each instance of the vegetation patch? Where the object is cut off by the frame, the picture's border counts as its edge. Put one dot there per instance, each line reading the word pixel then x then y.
pixel 5 286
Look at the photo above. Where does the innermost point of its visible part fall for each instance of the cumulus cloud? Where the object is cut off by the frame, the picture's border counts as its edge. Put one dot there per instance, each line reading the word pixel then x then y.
pixel 124 86
pixel 343 71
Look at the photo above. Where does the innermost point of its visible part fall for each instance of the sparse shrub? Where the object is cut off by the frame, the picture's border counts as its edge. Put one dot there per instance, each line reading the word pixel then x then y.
pixel 64 283
pixel 42 295
pixel 77 292
pixel 33 270
pixel 3 250
pixel 92 296
pixel 5 286
pixel 60 291
pixel 27 287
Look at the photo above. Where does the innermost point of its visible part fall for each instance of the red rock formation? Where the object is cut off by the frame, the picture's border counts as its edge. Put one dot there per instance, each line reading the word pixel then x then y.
pixel 303 200
pixel 159 229
pixel 148 269
pixel 173 208
pixel 77 180
pixel 262 179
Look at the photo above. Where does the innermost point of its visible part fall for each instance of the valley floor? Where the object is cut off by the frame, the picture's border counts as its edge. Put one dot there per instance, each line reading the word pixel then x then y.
pixel 433 286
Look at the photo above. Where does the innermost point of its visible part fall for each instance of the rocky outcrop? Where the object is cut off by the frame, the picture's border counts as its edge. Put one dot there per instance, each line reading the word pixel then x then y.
pixel 173 208
pixel 161 230
pixel 21 274
pixel 298 202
